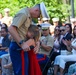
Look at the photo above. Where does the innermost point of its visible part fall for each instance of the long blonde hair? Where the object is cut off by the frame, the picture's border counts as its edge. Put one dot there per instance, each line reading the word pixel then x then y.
pixel 36 33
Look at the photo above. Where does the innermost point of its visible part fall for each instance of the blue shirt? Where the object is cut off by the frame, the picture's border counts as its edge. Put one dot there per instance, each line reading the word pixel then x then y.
pixel 6 41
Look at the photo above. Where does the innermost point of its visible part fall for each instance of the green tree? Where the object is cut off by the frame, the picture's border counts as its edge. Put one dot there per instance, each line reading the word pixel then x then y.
pixel 55 8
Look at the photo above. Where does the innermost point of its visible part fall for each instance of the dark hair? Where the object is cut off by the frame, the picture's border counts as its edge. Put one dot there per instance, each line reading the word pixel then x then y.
pixel 69 26
pixel 5 29
pixel 39 25
pixel 73 32
pixel 55 27
pixel 35 30
pixel 5 25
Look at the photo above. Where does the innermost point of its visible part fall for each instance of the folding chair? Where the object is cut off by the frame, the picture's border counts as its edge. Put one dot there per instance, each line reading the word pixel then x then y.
pixel 50 62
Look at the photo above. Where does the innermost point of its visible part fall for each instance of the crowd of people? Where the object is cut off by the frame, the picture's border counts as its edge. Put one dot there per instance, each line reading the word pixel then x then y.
pixel 44 36
pixel 64 45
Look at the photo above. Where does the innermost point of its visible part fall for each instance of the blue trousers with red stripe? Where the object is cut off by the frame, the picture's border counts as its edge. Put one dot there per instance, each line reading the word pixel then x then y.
pixel 42 58
pixel 16 59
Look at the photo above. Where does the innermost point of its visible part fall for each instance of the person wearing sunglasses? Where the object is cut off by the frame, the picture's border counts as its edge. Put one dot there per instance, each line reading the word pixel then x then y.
pixel 66 50
pixel 56 46
pixel 62 29
pixel 72 68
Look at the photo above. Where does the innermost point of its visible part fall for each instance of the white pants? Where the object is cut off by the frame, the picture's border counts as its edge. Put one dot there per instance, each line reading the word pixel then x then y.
pixel 62 59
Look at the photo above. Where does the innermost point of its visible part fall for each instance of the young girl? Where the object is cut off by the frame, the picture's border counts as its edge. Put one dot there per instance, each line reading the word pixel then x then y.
pixel 32 35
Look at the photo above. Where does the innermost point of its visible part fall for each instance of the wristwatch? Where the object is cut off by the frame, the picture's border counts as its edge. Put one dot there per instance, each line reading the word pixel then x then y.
pixel 21 42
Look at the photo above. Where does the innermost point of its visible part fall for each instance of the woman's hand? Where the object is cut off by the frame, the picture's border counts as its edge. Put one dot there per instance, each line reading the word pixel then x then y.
pixel 67 42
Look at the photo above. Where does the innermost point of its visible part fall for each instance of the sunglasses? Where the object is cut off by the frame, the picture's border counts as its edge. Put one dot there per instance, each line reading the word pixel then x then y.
pixel 62 30
pixel 57 30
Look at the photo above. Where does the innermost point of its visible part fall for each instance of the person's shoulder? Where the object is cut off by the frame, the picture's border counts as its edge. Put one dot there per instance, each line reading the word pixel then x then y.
pixel 50 37
pixel 23 11
pixel 69 35
pixel 50 40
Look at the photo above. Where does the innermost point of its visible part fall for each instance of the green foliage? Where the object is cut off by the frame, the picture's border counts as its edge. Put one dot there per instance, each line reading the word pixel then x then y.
pixel 75 7
pixel 55 8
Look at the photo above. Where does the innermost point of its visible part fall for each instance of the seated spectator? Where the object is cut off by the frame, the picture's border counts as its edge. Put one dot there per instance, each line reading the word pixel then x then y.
pixel 46 46
pixel 57 39
pixel 5 61
pixel 66 51
pixel 66 36
pixel 69 27
pixel 62 29
pixel 5 42
pixel 72 68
